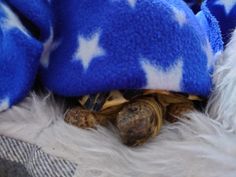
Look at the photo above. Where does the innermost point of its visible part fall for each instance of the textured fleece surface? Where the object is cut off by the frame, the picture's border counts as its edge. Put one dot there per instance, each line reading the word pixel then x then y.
pixel 38 12
pixel 19 58
pixel 211 26
pixel 127 44
pixel 195 5
pixel 225 12
pixel 85 47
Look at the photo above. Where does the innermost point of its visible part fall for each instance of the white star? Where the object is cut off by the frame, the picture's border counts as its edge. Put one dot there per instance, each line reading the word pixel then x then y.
pixel 180 16
pixel 228 4
pixel 132 3
pixel 157 78
pixel 48 47
pixel 12 21
pixel 88 49
pixel 4 104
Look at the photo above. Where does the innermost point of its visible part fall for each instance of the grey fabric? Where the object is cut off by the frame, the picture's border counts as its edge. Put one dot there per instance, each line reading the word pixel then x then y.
pixel 33 159
pixel 12 169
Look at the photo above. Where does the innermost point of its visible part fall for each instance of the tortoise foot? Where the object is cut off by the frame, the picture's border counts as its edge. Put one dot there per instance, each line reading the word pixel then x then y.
pixel 175 111
pixel 82 118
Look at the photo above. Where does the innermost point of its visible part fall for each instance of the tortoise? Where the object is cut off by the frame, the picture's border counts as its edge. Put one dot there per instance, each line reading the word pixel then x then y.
pixel 137 114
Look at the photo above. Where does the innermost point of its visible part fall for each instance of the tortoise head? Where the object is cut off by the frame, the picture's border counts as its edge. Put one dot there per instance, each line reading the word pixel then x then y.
pixel 138 121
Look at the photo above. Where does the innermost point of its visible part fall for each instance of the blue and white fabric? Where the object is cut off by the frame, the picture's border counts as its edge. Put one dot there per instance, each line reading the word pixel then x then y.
pixel 82 47
pixel 225 13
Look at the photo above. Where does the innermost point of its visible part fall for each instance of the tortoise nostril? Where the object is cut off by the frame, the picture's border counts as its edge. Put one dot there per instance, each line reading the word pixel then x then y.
pixel 133 108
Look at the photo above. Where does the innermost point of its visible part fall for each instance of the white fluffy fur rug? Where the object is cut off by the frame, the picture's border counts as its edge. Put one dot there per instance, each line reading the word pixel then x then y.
pixel 204 146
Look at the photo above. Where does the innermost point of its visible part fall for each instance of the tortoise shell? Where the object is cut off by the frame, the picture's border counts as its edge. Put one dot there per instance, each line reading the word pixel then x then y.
pixel 102 101
pixel 138 115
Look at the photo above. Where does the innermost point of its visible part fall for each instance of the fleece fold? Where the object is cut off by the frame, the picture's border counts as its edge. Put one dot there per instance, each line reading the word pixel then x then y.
pixel 82 47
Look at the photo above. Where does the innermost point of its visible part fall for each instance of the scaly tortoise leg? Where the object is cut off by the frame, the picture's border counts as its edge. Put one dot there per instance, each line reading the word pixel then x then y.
pixel 177 110
pixel 84 118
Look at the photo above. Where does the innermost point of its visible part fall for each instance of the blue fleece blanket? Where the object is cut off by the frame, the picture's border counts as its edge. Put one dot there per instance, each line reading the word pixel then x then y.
pixel 225 13
pixel 195 5
pixel 80 47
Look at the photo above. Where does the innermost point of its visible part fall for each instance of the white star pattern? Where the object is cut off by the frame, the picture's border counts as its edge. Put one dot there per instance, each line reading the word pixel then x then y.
pixel 228 4
pixel 4 104
pixel 48 47
pixel 12 21
pixel 211 57
pixel 209 53
pixel 88 49
pixel 132 3
pixel 179 16
pixel 157 78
